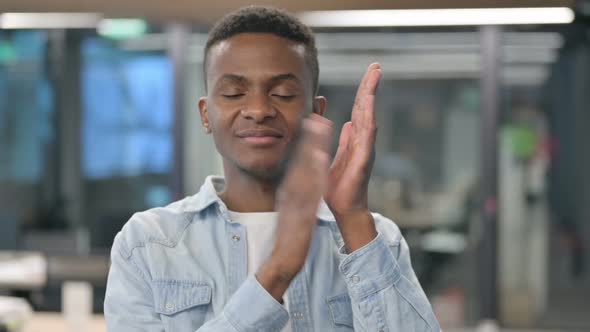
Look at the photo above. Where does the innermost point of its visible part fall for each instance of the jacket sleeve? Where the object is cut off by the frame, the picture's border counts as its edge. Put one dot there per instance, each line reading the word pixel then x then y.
pixel 384 291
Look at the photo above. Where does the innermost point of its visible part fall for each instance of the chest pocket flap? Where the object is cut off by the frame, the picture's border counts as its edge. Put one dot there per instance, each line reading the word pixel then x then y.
pixel 173 296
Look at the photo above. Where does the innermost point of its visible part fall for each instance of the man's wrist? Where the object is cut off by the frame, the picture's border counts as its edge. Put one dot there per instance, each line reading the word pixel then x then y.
pixel 357 228
pixel 274 279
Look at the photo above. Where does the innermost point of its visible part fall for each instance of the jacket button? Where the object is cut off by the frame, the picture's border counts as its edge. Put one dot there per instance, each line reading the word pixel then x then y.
pixel 169 306
pixel 235 238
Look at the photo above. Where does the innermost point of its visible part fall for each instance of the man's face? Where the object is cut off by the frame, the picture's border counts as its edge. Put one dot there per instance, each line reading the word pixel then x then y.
pixel 259 90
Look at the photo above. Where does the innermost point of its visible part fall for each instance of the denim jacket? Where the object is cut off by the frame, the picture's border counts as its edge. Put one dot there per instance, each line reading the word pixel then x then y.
pixel 183 268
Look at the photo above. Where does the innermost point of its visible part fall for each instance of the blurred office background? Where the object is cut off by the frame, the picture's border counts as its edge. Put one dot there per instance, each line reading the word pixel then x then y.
pixel 483 149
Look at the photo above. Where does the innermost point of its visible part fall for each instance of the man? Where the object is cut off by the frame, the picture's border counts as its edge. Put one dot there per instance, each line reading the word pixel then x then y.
pixel 258 250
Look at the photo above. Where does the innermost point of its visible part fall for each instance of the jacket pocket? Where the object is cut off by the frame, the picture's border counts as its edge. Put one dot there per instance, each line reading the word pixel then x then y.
pixel 341 311
pixel 182 304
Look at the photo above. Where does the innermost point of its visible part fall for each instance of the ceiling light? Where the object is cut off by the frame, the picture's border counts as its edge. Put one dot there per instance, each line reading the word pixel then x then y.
pixel 49 20
pixel 438 17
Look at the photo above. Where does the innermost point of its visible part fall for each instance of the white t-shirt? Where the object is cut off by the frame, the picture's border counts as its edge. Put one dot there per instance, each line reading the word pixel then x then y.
pixel 260 237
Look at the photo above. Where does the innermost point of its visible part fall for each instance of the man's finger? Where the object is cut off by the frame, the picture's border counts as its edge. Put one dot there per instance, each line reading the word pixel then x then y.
pixel 363 113
pixel 368 84
pixel 318 131
pixel 342 144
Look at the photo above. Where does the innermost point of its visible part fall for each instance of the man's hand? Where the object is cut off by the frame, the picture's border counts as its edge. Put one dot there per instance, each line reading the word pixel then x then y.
pixel 351 169
pixel 345 185
pixel 298 200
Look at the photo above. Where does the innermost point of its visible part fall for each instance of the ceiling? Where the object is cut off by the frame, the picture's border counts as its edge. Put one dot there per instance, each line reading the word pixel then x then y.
pixel 206 12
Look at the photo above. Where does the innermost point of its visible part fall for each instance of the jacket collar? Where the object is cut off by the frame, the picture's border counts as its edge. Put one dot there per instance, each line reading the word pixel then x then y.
pixel 213 184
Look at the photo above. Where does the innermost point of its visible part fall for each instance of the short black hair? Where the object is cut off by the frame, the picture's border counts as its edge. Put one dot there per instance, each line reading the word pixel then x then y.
pixel 260 19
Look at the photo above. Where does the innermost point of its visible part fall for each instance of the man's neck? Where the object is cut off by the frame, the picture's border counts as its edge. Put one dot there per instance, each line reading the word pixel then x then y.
pixel 246 193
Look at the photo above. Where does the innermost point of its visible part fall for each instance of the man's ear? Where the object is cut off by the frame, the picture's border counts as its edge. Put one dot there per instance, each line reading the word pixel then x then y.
pixel 319 105
pixel 203 112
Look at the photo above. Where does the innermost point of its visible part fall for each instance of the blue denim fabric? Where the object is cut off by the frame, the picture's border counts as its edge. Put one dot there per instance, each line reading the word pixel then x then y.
pixel 183 268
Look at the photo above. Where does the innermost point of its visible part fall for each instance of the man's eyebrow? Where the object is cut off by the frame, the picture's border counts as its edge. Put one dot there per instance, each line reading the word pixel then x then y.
pixel 286 77
pixel 239 79
pixel 234 78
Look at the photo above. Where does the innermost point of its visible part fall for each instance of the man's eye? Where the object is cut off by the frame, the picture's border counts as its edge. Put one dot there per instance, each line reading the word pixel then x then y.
pixel 284 97
pixel 233 96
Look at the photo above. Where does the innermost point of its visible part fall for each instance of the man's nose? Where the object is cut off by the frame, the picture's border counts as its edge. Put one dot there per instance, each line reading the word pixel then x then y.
pixel 259 108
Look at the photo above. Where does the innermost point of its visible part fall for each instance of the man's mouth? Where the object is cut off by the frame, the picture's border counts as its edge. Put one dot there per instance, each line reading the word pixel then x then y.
pixel 261 136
